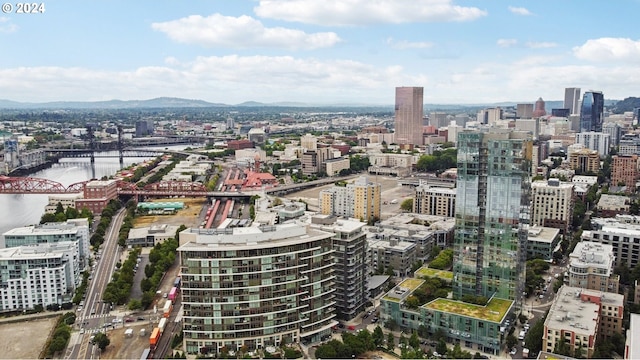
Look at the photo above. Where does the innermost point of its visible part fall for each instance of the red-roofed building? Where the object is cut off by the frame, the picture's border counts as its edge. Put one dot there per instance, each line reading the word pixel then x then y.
pixel 255 180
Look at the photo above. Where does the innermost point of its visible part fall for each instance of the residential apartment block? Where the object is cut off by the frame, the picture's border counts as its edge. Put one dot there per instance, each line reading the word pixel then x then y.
pixel 350 270
pixel 591 267
pixel 552 204
pixel 431 200
pixel 542 242
pixel 426 231
pixel 256 286
pixel 74 230
pixel 624 171
pixel 491 213
pixel 390 164
pixel 585 161
pixel 581 317
pixel 597 141
pixel 360 200
pixel 41 274
pixel 622 233
pixel 612 205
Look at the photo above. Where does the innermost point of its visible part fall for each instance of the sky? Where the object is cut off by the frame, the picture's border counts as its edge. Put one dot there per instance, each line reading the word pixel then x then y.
pixel 319 51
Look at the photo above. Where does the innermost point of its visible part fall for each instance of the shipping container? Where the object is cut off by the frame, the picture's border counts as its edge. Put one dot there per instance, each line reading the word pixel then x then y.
pixel 167 308
pixel 162 324
pixel 173 293
pixel 153 339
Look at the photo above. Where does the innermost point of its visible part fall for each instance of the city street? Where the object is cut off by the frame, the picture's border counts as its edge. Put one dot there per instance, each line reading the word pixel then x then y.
pixel 95 315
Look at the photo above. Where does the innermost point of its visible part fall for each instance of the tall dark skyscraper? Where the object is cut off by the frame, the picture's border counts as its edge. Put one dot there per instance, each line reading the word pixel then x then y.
pixel 592 111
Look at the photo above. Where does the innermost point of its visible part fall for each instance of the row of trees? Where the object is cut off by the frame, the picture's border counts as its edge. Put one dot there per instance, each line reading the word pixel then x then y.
pixel 119 288
pixel 161 257
pixel 440 160
pixel 61 334
pixel 127 223
pixel 61 214
pixel 356 345
pixel 105 220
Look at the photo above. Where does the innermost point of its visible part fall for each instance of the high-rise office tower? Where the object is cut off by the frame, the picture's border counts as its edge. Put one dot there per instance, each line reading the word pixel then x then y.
pixel 492 210
pixel 524 111
pixel 409 112
pixel 592 111
pixel 572 100
pixel 540 108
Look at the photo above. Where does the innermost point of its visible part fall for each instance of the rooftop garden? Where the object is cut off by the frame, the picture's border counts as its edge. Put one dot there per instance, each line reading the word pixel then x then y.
pixel 493 311
pixel 411 284
pixel 441 274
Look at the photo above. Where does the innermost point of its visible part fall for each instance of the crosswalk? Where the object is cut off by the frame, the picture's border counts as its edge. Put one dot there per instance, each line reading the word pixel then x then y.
pixel 95 316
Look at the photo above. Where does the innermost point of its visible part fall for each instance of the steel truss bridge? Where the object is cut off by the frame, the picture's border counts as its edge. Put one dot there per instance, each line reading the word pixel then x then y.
pixel 30 185
pixel 76 153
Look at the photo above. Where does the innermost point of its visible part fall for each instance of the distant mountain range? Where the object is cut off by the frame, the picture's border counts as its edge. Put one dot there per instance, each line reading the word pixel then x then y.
pixel 171 102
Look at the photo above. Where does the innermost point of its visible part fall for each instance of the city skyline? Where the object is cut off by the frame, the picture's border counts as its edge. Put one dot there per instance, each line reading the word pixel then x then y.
pixel 318 52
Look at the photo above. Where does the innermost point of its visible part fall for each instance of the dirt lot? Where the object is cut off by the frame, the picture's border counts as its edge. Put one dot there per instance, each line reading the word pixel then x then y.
pixel 24 340
pixel 189 216
pixel 122 347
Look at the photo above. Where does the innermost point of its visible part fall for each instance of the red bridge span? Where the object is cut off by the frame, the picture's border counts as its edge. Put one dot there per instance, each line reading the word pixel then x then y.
pixel 30 185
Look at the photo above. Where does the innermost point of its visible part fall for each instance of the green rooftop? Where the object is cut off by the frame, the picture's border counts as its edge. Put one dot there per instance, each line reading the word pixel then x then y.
pixel 493 311
pixel 442 274
pixel 410 284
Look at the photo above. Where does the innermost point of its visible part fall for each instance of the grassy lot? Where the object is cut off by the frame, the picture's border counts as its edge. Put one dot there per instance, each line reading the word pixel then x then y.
pixel 493 311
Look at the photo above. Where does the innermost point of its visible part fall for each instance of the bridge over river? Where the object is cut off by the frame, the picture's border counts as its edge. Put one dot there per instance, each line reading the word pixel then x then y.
pixel 30 185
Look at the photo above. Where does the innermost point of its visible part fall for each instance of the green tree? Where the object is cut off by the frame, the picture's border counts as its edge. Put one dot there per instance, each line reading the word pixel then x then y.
pixel 378 336
pixel 441 347
pixel 414 342
pixel 102 340
pixel 407 204
pixel 533 339
pixel 391 341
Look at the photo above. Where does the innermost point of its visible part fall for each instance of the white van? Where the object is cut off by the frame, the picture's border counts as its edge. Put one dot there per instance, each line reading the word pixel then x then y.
pixel 522 334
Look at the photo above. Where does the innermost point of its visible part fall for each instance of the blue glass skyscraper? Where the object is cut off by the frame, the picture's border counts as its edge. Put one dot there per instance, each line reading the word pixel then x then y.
pixel 592 111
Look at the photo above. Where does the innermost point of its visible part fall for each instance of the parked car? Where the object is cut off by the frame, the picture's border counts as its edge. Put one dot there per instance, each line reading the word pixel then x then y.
pixel 128 320
pixel 513 351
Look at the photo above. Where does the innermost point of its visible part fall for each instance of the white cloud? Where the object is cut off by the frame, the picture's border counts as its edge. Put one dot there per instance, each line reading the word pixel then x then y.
pixel 520 11
pixel 404 44
pixel 608 49
pixel 541 45
pixel 241 32
pixel 366 12
pixel 6 26
pixel 227 79
pixel 507 42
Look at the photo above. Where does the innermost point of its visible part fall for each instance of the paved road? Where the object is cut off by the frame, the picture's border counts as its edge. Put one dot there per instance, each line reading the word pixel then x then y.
pixel 96 315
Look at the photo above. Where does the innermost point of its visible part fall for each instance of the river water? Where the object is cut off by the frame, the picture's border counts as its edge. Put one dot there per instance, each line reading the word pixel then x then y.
pixel 17 210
